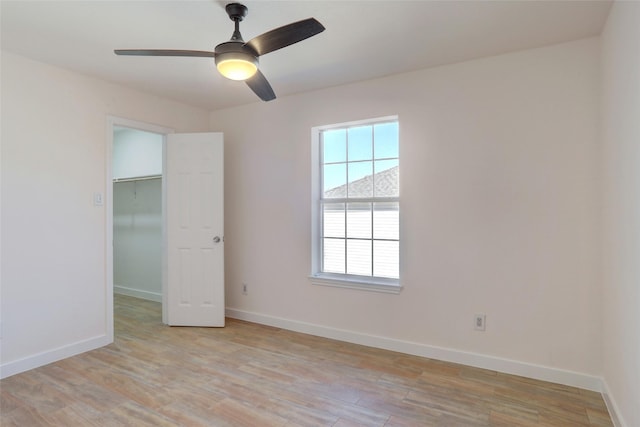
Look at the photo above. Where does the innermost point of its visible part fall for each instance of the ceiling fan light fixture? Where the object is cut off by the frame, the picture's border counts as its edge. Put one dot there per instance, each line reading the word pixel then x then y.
pixel 237 65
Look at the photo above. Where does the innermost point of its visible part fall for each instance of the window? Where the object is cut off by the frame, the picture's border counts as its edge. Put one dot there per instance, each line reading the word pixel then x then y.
pixel 356 209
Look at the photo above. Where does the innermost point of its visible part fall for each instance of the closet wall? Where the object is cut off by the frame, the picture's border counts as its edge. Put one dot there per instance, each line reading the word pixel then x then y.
pixel 137 213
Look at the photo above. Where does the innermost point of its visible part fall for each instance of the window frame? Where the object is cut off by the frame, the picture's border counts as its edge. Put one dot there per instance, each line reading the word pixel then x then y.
pixel 340 280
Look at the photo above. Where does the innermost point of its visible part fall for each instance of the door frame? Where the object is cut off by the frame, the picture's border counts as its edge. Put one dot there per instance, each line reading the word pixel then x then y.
pixel 112 122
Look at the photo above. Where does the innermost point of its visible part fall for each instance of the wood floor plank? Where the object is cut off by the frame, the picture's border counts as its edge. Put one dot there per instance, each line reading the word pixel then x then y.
pixel 74 414
pixel 254 375
pixel 133 414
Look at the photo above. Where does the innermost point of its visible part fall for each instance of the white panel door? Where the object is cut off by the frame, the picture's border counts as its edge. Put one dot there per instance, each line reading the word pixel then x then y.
pixel 194 203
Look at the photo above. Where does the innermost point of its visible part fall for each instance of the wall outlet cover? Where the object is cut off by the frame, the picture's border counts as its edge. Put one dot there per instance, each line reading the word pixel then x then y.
pixel 479 322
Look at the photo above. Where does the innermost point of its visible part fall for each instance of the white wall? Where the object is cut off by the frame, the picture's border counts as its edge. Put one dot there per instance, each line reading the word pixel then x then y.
pixel 54 132
pixel 136 153
pixel 500 191
pixel 137 238
pixel 621 139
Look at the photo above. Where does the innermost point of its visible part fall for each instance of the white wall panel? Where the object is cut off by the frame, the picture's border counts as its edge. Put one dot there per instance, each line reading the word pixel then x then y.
pixel 136 153
pixel 137 238
pixel 621 140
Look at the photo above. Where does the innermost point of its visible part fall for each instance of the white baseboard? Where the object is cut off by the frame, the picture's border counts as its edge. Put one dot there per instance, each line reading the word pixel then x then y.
pixel 612 407
pixel 138 293
pixel 539 372
pixel 31 362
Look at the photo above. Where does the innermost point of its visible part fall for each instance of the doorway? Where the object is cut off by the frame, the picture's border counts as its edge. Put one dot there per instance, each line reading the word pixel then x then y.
pixel 135 212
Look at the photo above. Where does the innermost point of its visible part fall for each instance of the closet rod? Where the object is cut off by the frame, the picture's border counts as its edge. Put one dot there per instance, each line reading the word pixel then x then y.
pixel 137 178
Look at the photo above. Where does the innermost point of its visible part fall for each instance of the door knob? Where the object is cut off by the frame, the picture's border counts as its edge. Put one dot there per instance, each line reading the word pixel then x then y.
pixel 216 239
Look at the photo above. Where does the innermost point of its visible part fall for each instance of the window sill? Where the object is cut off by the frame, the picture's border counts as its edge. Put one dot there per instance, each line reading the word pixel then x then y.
pixel 373 285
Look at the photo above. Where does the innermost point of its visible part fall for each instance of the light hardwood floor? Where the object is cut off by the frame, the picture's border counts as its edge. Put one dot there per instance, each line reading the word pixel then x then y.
pixel 252 375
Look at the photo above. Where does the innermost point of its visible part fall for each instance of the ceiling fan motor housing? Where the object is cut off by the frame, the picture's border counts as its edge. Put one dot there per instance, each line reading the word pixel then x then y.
pixel 236 52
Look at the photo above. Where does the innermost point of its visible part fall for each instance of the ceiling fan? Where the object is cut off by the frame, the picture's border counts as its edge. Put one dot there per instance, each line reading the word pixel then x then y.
pixel 238 60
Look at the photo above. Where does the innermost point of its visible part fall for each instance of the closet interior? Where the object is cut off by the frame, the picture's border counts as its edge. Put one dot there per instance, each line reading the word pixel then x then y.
pixel 137 213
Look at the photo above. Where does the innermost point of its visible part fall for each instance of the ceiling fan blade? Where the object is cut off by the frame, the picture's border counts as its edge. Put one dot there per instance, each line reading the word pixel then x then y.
pixel 285 36
pixel 259 84
pixel 165 52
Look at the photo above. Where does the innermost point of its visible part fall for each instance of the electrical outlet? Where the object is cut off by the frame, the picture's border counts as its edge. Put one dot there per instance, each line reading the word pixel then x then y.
pixel 479 322
pixel 245 290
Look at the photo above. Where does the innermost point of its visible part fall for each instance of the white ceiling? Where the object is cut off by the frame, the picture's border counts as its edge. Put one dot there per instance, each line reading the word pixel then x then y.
pixel 363 39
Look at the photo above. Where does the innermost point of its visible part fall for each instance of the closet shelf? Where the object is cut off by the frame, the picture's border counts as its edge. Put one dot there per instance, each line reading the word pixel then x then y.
pixel 137 178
